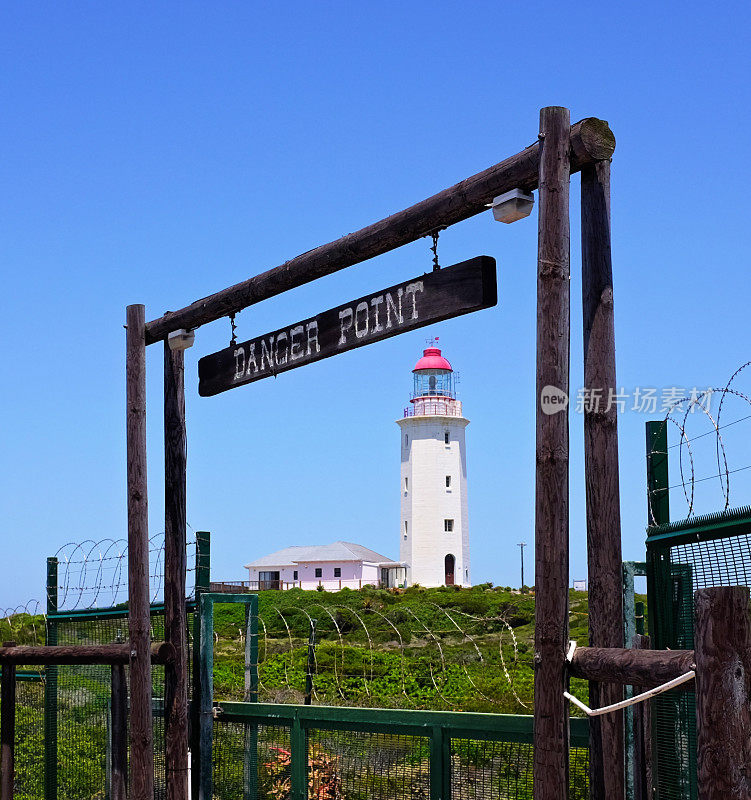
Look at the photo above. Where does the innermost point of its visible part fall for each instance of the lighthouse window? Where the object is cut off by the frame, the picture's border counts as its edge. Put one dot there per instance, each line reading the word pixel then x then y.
pixel 406 527
pixel 406 484
pixel 446 437
pixel 448 525
pixel 448 481
pixel 406 439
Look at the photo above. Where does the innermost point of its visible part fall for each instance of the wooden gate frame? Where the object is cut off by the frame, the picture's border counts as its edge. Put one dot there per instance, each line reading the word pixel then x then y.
pixel 560 150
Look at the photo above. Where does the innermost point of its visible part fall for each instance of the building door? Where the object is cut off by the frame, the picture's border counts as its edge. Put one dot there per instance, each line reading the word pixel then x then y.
pixel 449 564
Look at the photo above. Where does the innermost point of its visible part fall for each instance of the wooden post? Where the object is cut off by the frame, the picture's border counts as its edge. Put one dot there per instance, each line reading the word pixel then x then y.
pixel 723 688
pixel 7 728
pixel 551 734
pixel 119 734
pixel 175 558
pixel 642 721
pixel 139 622
pixel 604 559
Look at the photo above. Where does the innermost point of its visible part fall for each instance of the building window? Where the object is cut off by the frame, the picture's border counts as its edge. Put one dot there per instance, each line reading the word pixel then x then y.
pixel 268 580
pixel 446 437
pixel 294 575
pixel 448 525
pixel 448 481
pixel 319 572
pixel 337 572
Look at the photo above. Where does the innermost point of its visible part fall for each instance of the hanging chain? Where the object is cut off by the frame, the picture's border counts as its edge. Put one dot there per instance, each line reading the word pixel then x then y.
pixel 233 338
pixel 434 247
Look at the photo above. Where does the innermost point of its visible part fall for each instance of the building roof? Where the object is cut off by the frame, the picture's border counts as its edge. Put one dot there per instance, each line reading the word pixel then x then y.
pixel 338 551
pixel 432 359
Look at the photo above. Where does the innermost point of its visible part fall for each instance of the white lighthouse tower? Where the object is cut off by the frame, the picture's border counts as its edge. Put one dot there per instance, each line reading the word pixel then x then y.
pixel 434 536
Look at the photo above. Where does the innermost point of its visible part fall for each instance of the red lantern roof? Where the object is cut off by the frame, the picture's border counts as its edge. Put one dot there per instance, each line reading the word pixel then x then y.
pixel 432 359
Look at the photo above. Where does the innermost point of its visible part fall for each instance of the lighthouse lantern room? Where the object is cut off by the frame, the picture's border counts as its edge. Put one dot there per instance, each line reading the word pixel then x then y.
pixel 434 535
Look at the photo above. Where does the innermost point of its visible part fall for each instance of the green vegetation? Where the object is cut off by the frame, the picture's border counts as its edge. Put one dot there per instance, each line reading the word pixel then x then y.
pixel 442 648
pixel 445 648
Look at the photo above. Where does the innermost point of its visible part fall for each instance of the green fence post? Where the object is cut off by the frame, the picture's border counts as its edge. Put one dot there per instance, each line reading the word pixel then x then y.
pixel 205 713
pixel 50 689
pixel 658 500
pixel 250 765
pixel 658 513
pixel 639 617
pixel 251 650
pixel 298 740
pixel 630 626
pixel 440 764
pixel 203 584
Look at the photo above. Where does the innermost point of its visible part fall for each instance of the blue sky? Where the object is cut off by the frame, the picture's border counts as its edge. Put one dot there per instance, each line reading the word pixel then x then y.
pixel 156 153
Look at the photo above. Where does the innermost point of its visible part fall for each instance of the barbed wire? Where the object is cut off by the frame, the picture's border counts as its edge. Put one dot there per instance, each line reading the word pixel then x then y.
pixel 681 413
pixel 348 636
pixel 22 623
pixel 94 574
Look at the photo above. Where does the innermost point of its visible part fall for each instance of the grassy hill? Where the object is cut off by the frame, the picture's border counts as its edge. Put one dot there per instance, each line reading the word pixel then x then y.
pixel 443 648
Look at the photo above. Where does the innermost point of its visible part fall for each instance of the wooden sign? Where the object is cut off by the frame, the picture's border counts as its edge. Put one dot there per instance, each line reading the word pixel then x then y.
pixel 435 296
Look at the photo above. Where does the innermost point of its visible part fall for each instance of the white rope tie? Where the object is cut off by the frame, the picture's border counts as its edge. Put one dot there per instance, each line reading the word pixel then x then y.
pixel 639 698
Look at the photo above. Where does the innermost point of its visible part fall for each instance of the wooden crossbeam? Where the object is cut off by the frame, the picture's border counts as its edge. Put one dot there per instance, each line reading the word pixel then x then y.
pixel 590 140
pixel 161 653
pixel 629 667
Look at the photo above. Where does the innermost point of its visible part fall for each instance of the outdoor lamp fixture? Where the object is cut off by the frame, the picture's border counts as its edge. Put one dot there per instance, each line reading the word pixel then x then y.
pixel 181 339
pixel 513 205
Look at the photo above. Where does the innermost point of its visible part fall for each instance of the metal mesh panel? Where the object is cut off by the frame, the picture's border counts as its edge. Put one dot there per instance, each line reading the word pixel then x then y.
pixel 681 569
pixel 490 770
pixel 83 693
pixel 494 770
pixel 368 766
pixel 29 755
pixel 578 774
pixel 83 698
pixel 251 762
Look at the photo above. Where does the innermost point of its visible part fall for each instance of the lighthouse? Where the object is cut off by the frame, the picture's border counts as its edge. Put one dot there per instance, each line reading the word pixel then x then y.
pixel 434 532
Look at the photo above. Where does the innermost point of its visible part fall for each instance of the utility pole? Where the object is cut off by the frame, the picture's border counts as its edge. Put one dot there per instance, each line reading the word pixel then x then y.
pixel 521 546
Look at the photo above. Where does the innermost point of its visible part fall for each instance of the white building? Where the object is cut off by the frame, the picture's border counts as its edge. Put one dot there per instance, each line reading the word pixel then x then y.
pixel 434 526
pixel 434 535
pixel 332 566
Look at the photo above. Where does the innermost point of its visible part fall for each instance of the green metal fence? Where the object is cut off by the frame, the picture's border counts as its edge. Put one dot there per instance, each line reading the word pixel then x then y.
pixel 74 761
pixel 683 556
pixel 260 751
pixel 329 753
pixel 29 772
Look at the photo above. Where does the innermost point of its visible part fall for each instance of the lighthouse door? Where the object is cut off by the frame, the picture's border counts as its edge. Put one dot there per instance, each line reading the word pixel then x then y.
pixel 449 564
